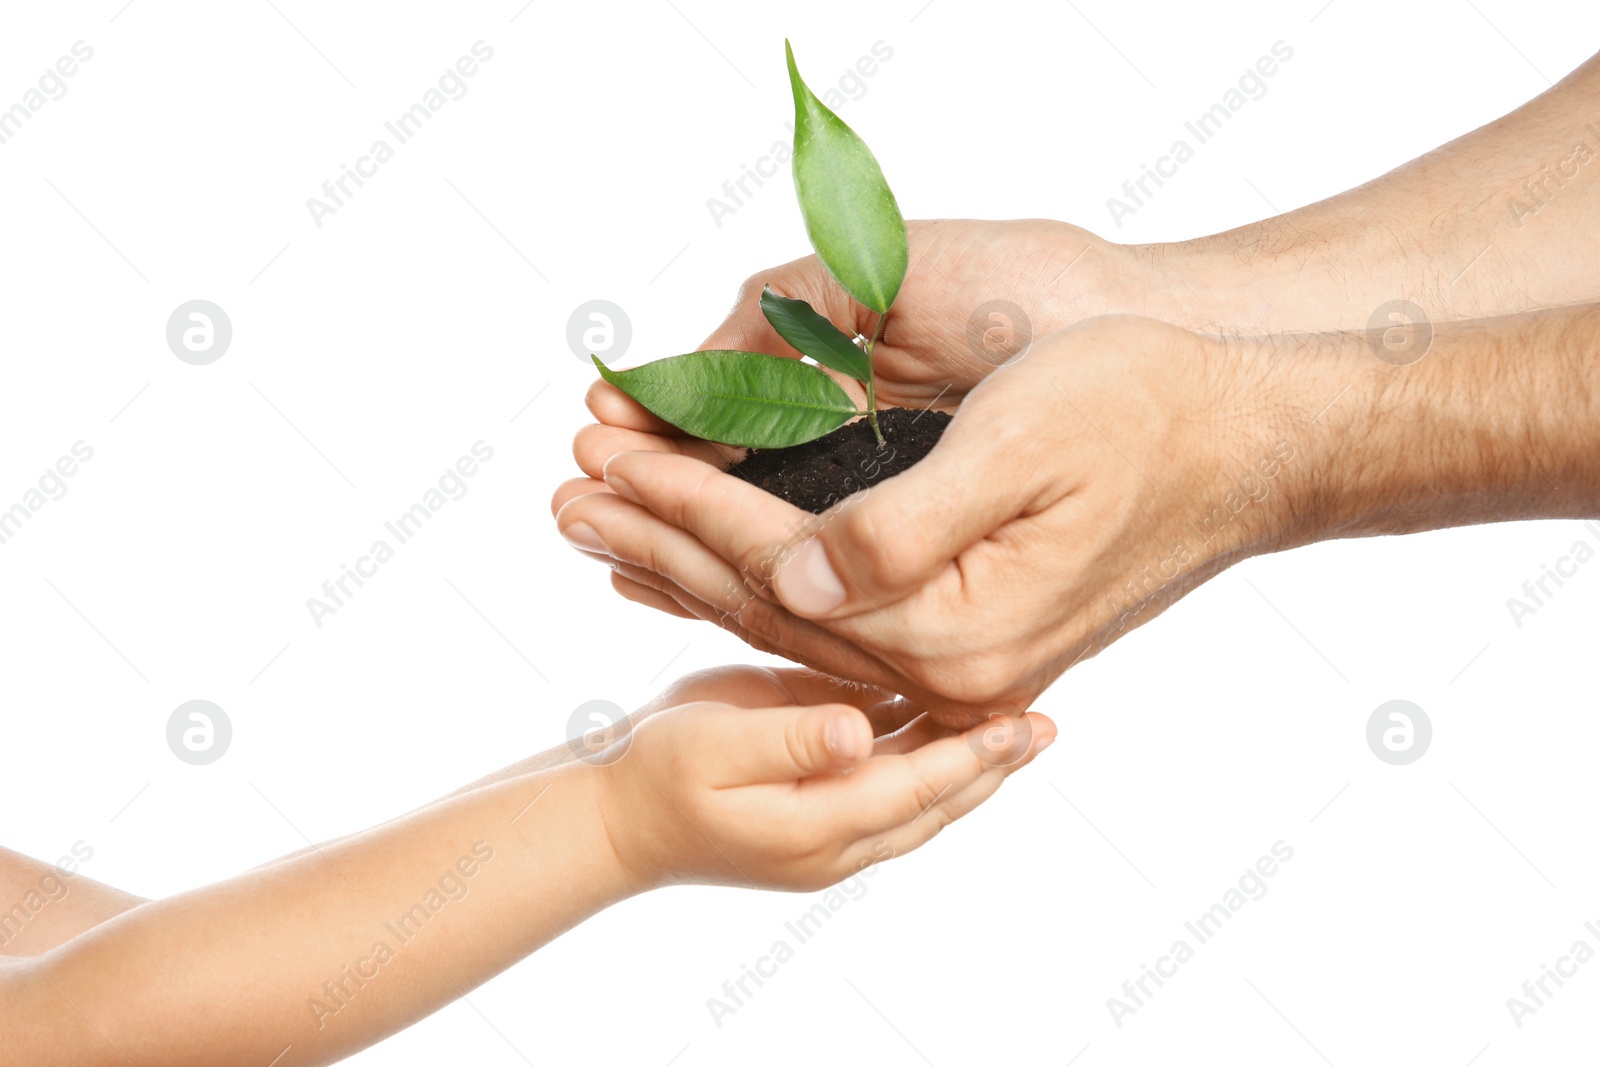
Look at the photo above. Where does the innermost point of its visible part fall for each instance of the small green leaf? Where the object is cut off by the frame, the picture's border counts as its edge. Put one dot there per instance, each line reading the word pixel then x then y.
pixel 798 323
pixel 850 213
pixel 738 398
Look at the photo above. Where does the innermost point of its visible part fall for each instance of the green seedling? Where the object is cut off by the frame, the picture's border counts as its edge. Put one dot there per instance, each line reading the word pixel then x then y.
pixel 755 400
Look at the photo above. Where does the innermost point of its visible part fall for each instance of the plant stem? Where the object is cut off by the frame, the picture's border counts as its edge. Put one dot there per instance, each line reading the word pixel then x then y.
pixel 872 381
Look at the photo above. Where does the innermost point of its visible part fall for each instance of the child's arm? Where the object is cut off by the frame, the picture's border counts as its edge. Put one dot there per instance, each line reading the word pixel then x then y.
pixel 321 954
pixel 58 904
pixel 744 686
pixel 45 905
pixel 77 903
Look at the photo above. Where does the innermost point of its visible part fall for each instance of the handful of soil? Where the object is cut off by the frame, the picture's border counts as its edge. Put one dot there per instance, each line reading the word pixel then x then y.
pixel 818 474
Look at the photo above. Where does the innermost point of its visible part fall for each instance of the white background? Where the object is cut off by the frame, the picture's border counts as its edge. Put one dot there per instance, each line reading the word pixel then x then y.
pixel 425 314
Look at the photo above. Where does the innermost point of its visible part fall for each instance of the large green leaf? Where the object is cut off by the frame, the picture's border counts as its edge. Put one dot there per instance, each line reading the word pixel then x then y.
pixel 738 398
pixel 851 215
pixel 798 323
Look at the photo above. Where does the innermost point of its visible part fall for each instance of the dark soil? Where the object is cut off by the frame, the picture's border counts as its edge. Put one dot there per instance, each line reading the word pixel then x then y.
pixel 818 474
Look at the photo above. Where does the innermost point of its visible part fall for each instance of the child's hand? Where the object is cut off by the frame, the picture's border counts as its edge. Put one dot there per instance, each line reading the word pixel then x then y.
pixel 794 797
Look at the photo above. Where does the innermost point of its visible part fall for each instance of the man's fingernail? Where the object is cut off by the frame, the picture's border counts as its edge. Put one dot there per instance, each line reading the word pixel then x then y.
pixel 807 581
pixel 582 535
pixel 842 738
pixel 619 485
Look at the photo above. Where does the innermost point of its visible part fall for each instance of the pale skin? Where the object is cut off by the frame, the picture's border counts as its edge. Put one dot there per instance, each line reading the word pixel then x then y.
pixel 742 777
pixel 1028 539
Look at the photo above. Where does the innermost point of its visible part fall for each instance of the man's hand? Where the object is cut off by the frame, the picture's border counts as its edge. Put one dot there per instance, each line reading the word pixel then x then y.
pixel 960 269
pixel 1083 488
pixel 949 330
pixel 1452 231
pixel 949 327
pixel 1079 490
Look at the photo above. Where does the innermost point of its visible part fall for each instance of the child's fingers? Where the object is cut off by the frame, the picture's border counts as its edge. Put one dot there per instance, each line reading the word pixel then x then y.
pixel 957 803
pixel 918 731
pixel 885 711
pixel 953 804
pixel 760 745
pixel 891 793
pixel 910 836
pixel 891 719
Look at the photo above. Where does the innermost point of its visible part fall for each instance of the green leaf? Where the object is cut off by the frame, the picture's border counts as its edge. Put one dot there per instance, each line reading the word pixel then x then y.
pixel 851 215
pixel 738 398
pixel 798 323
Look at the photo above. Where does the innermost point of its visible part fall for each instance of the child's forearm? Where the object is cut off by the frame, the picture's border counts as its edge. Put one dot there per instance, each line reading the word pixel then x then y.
pixel 78 904
pixel 690 688
pixel 317 956
pixel 43 905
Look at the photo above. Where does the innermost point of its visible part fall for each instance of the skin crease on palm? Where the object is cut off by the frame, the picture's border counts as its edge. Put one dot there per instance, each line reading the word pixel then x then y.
pixel 1066 503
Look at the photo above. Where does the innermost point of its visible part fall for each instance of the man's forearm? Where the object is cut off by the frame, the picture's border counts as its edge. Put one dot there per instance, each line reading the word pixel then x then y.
pixel 1500 420
pixel 1505 218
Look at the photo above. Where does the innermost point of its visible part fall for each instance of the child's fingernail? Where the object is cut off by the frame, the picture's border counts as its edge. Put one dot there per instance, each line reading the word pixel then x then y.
pixel 582 535
pixel 620 486
pixel 807 582
pixel 842 738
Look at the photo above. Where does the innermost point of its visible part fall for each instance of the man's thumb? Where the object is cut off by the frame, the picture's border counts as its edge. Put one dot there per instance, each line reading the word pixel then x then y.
pixel 888 540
